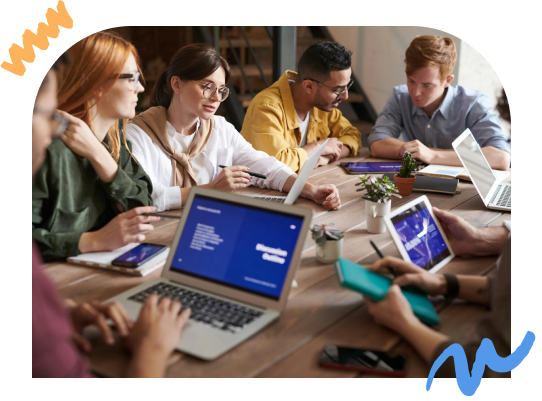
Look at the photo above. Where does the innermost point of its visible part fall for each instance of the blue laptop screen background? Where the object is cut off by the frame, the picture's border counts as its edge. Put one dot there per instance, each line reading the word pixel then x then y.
pixel 237 245
pixel 420 236
pixel 374 167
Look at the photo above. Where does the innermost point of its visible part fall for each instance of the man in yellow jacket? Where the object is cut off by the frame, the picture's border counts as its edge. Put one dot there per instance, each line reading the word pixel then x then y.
pixel 294 116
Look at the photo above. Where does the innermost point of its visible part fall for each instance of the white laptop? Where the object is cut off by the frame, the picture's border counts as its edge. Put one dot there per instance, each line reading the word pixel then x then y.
pixel 300 181
pixel 494 193
pixel 232 261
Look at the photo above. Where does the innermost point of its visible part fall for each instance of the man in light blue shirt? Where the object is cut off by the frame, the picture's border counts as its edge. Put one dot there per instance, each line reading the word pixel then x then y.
pixel 431 114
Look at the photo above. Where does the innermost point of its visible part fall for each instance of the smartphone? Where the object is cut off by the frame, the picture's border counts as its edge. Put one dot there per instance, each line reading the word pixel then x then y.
pixel 137 256
pixel 363 360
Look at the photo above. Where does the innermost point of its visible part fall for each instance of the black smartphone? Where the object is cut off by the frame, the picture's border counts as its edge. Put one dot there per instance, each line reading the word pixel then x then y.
pixel 363 360
pixel 137 256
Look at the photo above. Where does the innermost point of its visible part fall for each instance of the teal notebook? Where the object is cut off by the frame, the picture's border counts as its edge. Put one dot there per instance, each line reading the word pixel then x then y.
pixel 375 286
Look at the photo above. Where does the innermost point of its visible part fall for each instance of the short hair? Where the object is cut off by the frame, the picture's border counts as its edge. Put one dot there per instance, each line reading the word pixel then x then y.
pixel 321 58
pixel 429 51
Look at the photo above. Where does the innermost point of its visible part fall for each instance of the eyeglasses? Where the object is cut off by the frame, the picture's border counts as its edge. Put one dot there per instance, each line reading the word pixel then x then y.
pixel 131 78
pixel 59 120
pixel 339 94
pixel 211 89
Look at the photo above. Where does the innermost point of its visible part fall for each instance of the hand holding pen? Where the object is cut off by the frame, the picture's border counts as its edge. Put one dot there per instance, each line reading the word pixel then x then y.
pixel 409 276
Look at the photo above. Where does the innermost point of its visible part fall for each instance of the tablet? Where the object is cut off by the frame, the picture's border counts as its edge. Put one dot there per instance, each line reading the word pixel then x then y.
pixel 372 167
pixel 419 236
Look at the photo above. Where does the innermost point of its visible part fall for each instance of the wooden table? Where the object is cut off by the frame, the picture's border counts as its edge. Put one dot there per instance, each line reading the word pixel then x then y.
pixel 319 311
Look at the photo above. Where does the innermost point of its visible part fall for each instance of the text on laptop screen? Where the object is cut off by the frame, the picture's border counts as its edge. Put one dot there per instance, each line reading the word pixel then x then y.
pixel 373 167
pixel 420 236
pixel 240 246
pixel 474 161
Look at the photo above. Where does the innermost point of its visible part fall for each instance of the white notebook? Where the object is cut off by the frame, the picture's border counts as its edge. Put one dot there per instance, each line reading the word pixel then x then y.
pixel 102 260
pixel 437 170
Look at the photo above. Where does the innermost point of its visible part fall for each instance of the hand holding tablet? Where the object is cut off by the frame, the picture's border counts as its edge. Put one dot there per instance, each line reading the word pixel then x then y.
pixel 419 236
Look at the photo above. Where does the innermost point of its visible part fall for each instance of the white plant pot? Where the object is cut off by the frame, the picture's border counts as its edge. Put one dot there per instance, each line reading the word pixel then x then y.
pixel 330 251
pixel 375 212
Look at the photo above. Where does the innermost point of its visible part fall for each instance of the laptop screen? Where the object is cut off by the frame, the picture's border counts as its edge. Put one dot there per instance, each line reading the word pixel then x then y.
pixel 240 246
pixel 476 164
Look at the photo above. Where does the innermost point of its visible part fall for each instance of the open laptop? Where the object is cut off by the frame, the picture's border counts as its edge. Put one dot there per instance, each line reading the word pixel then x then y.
pixel 300 181
pixel 488 182
pixel 232 261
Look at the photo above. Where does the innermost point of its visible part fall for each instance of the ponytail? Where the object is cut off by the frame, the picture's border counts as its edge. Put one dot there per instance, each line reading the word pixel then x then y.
pixel 161 93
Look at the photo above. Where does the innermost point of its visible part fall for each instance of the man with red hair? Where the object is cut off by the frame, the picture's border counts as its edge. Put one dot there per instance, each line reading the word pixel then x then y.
pixel 431 114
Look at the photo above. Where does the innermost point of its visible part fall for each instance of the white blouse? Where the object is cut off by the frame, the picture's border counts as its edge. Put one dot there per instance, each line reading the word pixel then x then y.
pixel 225 147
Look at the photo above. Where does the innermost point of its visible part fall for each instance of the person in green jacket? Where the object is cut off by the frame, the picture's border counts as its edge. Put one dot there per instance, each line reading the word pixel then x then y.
pixel 90 194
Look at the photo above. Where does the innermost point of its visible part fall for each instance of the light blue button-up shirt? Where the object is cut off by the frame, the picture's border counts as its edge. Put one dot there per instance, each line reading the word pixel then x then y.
pixel 461 109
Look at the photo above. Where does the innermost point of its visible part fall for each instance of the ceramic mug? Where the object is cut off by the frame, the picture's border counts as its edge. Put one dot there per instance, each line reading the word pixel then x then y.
pixel 330 251
pixel 375 212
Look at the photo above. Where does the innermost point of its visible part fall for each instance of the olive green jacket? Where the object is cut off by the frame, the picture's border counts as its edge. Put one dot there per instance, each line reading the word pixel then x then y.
pixel 69 199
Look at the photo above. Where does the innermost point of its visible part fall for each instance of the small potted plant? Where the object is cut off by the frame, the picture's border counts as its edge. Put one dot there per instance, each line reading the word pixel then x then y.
pixel 329 242
pixel 377 201
pixel 405 179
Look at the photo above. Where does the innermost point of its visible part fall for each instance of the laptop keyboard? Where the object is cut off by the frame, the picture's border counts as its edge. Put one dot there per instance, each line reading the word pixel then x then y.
pixel 217 313
pixel 272 199
pixel 505 200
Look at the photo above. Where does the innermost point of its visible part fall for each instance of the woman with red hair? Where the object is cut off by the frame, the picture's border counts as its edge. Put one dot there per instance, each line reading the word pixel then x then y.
pixel 90 194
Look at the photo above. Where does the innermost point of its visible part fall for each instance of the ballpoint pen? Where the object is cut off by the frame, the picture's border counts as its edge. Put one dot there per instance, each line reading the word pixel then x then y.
pixel 381 255
pixel 250 173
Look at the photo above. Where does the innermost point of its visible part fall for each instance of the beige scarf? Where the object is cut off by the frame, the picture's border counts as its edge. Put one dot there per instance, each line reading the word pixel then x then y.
pixel 154 123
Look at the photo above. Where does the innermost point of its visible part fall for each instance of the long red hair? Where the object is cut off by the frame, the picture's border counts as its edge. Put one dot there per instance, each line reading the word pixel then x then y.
pixel 97 62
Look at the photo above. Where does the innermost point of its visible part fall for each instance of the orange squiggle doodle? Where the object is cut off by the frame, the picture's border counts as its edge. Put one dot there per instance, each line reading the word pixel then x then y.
pixel 40 40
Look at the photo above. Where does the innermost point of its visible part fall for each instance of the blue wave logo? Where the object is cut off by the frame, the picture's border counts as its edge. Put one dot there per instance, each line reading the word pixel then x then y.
pixel 486 355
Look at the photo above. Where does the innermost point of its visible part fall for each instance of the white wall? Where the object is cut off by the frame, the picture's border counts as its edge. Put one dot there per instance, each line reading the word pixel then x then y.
pixel 378 60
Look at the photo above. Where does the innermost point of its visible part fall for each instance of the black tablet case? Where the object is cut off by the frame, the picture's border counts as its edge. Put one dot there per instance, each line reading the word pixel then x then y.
pixel 433 184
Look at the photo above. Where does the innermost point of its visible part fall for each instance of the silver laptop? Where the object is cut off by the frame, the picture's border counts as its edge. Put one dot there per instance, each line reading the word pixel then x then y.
pixel 488 182
pixel 232 262
pixel 300 181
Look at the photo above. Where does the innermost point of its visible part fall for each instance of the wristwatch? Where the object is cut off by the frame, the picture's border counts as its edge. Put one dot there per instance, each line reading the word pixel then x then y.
pixel 452 286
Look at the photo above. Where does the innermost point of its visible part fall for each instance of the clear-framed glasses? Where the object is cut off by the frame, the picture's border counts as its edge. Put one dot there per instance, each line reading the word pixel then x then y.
pixel 210 89
pixel 340 93
pixel 132 78
pixel 60 122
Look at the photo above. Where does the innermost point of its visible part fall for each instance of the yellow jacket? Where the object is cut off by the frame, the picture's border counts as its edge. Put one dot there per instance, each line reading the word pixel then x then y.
pixel 271 125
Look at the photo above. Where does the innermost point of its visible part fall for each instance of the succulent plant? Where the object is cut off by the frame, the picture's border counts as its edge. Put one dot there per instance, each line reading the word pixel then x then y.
pixel 409 165
pixel 323 232
pixel 378 189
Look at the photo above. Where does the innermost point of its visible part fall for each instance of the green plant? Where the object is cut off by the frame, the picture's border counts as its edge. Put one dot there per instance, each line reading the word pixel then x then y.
pixel 378 189
pixel 409 165
pixel 322 232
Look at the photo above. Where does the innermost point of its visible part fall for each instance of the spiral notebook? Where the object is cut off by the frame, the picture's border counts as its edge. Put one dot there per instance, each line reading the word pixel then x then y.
pixel 102 260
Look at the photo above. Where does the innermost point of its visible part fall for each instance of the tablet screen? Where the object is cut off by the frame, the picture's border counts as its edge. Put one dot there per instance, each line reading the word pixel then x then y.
pixel 373 167
pixel 420 236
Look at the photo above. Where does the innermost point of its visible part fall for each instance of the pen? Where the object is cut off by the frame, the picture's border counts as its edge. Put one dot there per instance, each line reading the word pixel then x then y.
pixel 162 215
pixel 381 255
pixel 249 173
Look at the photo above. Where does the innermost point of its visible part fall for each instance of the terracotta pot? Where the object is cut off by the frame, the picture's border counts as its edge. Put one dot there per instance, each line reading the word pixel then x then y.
pixel 404 185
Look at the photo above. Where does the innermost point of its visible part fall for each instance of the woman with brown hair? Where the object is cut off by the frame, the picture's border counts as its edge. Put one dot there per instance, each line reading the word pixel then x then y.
pixel 90 194
pixel 181 143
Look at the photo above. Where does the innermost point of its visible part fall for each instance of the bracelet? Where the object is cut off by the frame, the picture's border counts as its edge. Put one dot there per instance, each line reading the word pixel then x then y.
pixel 452 285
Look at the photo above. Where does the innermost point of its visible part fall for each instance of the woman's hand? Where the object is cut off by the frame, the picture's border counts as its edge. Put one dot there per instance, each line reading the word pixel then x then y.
pixel 231 178
pixel 122 230
pixel 79 137
pixel 96 313
pixel 158 327
pixel 410 274
pixel 327 196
